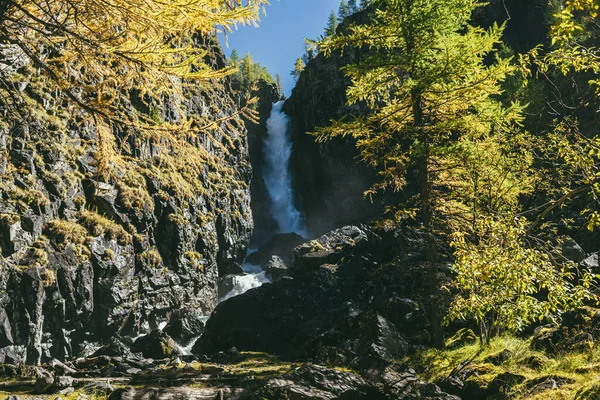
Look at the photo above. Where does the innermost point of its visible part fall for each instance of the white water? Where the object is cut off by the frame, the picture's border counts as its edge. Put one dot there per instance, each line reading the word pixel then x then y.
pixel 277 150
pixel 243 283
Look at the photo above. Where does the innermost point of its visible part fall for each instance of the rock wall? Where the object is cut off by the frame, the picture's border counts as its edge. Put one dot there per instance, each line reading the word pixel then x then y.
pixel 328 180
pixel 88 255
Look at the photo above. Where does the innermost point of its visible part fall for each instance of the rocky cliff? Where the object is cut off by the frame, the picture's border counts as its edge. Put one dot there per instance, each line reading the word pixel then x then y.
pixel 89 254
pixel 328 180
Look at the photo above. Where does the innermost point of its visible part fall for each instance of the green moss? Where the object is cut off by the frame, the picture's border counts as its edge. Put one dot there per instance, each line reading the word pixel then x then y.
pixel 9 219
pixel 98 225
pixel 63 232
pixel 151 258
pixel 576 367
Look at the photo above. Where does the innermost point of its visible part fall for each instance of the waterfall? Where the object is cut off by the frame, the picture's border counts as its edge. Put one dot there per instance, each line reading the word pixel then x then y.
pixel 277 150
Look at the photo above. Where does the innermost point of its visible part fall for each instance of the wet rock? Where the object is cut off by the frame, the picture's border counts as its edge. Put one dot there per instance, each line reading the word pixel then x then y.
pixel 276 268
pixel 88 259
pixel 185 326
pixel 43 384
pixel 13 355
pixel 155 345
pixel 547 338
pixel 591 263
pixel 115 348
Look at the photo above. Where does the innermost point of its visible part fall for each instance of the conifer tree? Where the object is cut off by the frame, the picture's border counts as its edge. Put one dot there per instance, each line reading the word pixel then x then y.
pixel 332 24
pixel 298 68
pixel 353 7
pixel 343 11
pixel 364 4
pixel 427 87
pixel 234 59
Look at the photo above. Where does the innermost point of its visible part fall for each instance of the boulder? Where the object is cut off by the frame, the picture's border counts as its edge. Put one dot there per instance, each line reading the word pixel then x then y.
pixel 572 251
pixel 329 248
pixel 267 318
pixel 280 245
pixel 276 268
pixel 155 345
pixel 406 385
pixel 590 263
pixel 115 348
pixel 503 383
pixel 185 326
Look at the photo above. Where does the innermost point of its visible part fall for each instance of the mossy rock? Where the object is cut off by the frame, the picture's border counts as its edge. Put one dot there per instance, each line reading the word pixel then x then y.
pixel 534 362
pixel 461 338
pixel 499 358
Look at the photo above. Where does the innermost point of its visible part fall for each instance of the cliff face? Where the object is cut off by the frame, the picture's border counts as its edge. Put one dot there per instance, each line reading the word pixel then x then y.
pixel 327 178
pixel 88 255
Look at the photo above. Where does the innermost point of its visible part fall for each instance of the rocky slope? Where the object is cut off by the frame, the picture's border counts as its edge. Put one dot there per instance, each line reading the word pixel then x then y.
pixel 88 255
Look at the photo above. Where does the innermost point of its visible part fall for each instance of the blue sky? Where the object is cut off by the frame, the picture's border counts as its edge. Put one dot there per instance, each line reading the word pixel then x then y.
pixel 279 40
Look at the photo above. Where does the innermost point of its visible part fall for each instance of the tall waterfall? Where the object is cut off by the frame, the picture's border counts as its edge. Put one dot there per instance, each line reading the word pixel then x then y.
pixel 277 150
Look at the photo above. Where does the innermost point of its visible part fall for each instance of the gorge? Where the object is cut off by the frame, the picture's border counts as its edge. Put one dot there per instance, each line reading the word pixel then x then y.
pixel 172 226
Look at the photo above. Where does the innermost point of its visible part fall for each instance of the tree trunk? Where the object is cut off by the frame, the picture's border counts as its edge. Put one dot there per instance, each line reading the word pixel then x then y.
pixel 435 320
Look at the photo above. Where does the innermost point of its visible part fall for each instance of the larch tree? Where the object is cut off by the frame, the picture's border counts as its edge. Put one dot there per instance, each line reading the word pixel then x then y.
pixel 428 89
pixel 575 52
pixel 298 68
pixel 97 53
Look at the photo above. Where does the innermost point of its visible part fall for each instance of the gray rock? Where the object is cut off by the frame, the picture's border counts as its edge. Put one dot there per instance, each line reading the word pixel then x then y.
pixel 572 251
pixel 329 248
pixel 276 267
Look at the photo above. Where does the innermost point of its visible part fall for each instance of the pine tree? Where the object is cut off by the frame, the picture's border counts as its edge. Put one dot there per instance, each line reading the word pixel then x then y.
pixel 364 4
pixel 332 24
pixel 343 11
pixel 352 5
pixel 298 68
pixel 425 91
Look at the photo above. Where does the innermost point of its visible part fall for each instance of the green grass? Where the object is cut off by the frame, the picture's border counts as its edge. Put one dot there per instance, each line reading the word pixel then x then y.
pixel 581 367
